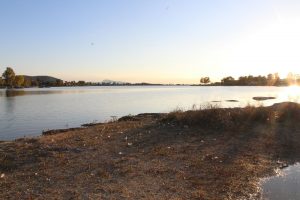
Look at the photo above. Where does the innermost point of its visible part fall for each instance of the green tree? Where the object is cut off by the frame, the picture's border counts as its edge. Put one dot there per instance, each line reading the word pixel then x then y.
pixel 81 83
pixel 27 82
pixel 205 80
pixel 19 81
pixel 277 79
pixel 9 76
pixel 228 81
pixel 243 80
pixel 34 83
pixel 59 82
pixel 270 79
pixel 1 82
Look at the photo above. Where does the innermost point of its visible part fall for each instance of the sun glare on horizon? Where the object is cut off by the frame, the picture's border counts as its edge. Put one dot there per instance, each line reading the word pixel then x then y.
pixel 290 93
pixel 272 46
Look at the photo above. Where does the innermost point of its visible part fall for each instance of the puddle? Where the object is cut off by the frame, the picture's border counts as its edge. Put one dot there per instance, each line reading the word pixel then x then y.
pixel 284 186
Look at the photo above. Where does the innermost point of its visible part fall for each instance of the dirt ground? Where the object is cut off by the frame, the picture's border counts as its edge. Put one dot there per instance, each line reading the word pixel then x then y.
pixel 146 157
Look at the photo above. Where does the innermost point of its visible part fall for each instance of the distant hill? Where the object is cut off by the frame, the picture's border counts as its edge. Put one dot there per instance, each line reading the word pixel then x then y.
pixel 42 79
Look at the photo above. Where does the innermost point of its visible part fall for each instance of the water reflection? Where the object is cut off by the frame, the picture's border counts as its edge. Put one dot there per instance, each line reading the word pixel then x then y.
pixel 23 92
pixel 74 90
pixel 9 104
pixel 291 93
pixel 285 186
pixel 30 111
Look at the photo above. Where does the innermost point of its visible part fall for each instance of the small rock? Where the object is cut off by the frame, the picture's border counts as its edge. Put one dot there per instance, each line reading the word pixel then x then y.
pixel 2 176
pixel 120 153
pixel 129 143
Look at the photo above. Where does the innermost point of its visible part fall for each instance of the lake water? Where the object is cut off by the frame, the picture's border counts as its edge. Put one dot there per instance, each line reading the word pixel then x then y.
pixel 285 186
pixel 30 111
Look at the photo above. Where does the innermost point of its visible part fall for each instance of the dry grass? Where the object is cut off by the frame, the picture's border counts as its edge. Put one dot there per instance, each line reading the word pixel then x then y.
pixel 231 118
pixel 200 154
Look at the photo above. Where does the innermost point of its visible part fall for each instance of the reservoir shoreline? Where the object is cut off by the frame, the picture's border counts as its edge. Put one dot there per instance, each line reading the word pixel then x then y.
pixel 218 153
pixel 31 111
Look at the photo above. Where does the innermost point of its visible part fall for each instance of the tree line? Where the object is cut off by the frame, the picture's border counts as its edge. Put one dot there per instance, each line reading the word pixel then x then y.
pixel 9 79
pixel 269 80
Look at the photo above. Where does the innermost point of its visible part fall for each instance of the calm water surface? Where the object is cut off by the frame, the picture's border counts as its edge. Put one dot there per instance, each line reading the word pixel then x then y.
pixel 30 111
pixel 283 187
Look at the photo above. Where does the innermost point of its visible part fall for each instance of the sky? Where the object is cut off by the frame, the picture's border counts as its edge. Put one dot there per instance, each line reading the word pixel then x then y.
pixel 156 41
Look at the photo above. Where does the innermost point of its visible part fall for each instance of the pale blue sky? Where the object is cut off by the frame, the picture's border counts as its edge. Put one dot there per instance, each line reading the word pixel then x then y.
pixel 168 41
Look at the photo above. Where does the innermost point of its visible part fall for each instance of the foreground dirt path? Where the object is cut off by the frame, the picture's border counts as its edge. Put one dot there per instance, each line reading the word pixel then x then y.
pixel 146 159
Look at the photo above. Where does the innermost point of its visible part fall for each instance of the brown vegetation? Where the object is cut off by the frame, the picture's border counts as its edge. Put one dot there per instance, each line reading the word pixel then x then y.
pixel 200 154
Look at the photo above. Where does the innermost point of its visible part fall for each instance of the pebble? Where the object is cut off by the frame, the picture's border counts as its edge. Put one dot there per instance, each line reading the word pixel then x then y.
pixel 2 175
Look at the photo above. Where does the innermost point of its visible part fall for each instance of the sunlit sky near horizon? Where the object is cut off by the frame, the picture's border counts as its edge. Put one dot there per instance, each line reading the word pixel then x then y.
pixel 165 41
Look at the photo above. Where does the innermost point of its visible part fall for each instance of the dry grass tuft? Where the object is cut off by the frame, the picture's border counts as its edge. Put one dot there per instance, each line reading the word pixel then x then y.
pixel 230 118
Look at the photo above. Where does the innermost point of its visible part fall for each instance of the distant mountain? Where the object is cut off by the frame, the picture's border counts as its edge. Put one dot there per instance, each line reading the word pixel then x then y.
pixel 42 79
